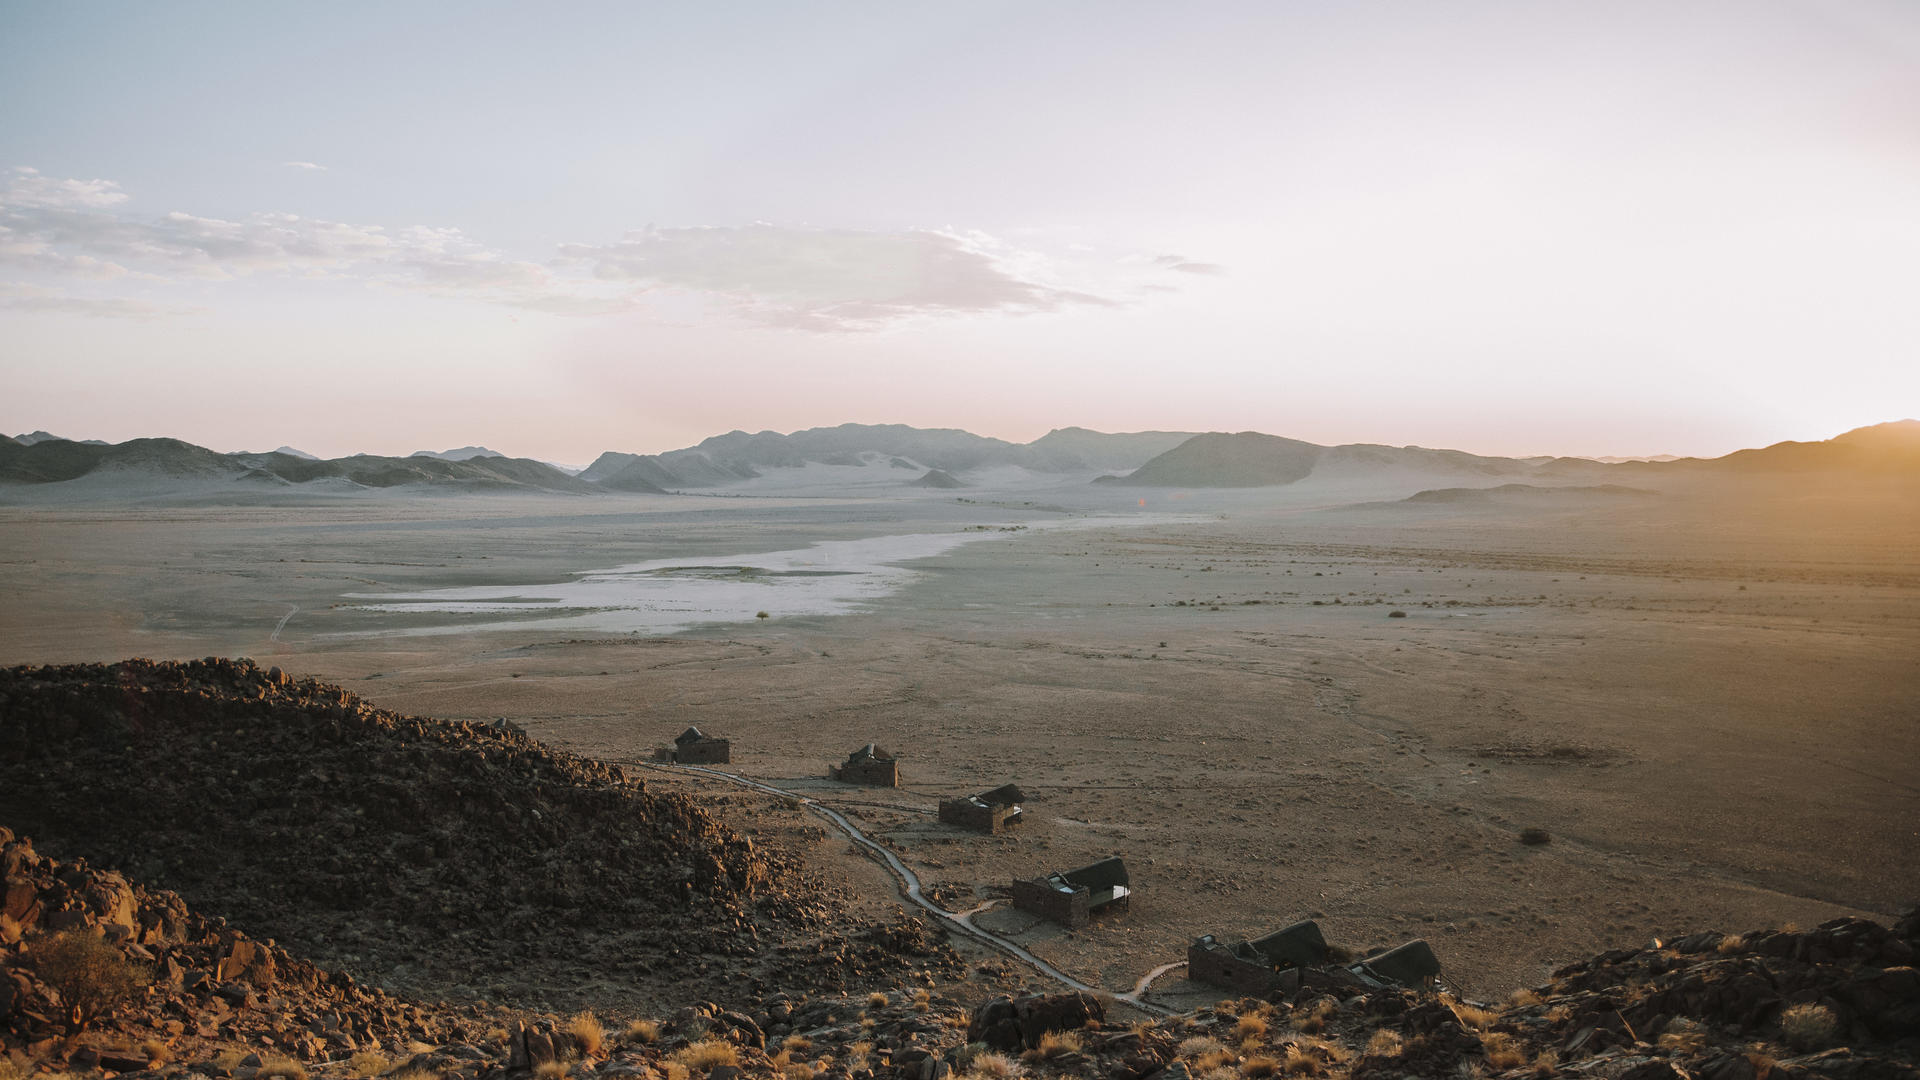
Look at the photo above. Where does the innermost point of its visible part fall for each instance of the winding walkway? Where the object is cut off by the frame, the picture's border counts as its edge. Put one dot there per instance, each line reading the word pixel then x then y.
pixel 909 884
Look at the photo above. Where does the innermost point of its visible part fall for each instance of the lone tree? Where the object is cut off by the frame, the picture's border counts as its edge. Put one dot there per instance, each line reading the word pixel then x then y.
pixel 89 973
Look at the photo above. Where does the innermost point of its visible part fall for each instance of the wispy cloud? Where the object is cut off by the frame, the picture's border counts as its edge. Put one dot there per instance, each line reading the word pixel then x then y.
pixel 831 280
pixel 19 296
pixel 827 279
pixel 308 165
pixel 1187 266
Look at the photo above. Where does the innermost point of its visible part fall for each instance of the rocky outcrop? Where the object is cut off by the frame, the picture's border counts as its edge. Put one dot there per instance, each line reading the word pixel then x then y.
pixel 428 855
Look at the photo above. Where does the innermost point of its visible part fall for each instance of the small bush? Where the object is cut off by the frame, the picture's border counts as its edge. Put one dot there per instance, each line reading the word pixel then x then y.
pixel 1732 943
pixel 1808 1027
pixel 1254 1068
pixel 1300 1062
pixel 1546 1063
pixel 1502 1052
pixel 230 1059
pixel 1386 1043
pixel 89 973
pixel 991 1066
pixel 1194 1046
pixel 1053 1044
pixel 588 1033
pixel 1473 1016
pixel 367 1064
pixel 279 1067
pixel 157 1051
pixel 796 1042
pixel 1250 1026
pixel 707 1053
pixel 550 1070
pixel 1523 999
pixel 876 1000
pixel 643 1032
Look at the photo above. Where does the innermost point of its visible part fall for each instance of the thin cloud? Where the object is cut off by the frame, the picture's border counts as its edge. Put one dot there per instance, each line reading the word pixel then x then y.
pixel 1187 266
pixel 308 165
pixel 827 279
pixel 820 280
pixel 18 296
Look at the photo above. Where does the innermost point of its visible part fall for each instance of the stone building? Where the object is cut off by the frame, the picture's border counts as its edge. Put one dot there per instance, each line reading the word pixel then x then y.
pixel 694 747
pixel 1251 967
pixel 987 812
pixel 1071 898
pixel 869 766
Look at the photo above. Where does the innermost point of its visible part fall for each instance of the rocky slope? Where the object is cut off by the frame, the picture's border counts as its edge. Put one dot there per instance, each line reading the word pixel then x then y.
pixel 1838 1001
pixel 431 856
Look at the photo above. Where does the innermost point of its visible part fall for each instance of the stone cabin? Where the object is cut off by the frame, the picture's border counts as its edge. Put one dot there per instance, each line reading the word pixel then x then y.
pixel 1278 961
pixel 694 747
pixel 1072 898
pixel 869 766
pixel 1252 967
pixel 987 812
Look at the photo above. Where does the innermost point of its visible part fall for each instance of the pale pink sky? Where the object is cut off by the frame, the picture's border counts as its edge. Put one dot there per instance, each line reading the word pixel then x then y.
pixel 1518 227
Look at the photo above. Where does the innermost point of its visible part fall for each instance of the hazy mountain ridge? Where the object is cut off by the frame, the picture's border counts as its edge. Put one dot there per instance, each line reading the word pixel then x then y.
pixel 1245 459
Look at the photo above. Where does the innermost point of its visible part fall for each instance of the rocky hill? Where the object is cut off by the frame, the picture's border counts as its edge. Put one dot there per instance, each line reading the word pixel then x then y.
pixel 161 991
pixel 426 855
pixel 158 464
pixel 1247 459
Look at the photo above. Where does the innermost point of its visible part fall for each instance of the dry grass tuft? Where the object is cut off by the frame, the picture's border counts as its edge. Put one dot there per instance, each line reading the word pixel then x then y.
pixel 1211 1061
pixel 1502 1052
pixel 279 1067
pixel 1314 1020
pixel 157 1051
pixel 1254 1068
pixel 1732 943
pixel 419 1074
pixel 1522 999
pixel 1683 1036
pixel 1808 1027
pixel 1053 1044
pixel 643 1032
pixel 1472 1016
pixel 1194 1046
pixel 856 1058
pixel 991 1066
pixel 230 1058
pixel 550 1070
pixel 1385 1043
pixel 1250 1026
pixel 1546 1063
pixel 588 1033
pixel 367 1064
pixel 796 1070
pixel 1301 1062
pixel 796 1042
pixel 674 1070
pixel 706 1054
pixel 876 1000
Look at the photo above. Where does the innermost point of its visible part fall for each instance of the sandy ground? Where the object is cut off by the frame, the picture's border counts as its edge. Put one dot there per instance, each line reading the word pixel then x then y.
pixel 1708 701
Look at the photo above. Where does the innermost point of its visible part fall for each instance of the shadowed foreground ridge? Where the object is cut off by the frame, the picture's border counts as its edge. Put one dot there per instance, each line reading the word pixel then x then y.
pixel 427 855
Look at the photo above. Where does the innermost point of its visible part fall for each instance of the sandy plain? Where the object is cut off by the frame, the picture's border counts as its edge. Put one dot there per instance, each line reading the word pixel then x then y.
pixel 1707 697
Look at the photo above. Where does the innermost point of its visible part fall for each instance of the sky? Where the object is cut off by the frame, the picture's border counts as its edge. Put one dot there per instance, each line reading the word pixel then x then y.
pixel 1505 227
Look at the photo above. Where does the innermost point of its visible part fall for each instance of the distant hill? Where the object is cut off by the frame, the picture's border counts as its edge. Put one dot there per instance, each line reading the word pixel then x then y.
pixel 32 437
pixel 291 452
pixel 935 478
pixel 170 464
pixel 1521 493
pixel 1882 448
pixel 1085 449
pixel 1248 459
pixel 464 453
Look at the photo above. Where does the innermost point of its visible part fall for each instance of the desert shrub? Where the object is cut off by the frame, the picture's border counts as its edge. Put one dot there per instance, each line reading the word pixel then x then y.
pixel 588 1033
pixel 1502 1052
pixel 550 1070
pixel 1473 1016
pixel 1732 943
pixel 367 1064
pixel 643 1032
pixel 1053 1044
pixel 1522 999
pixel 1808 1027
pixel 280 1067
pixel 89 973
pixel 1194 1046
pixel 1300 1062
pixel 876 1000
pixel 157 1051
pixel 796 1042
pixel 1254 1068
pixel 992 1066
pixel 1683 1036
pixel 1385 1043
pixel 674 1070
pixel 1250 1026
pixel 857 1055
pixel 230 1058
pixel 706 1054
pixel 1546 1063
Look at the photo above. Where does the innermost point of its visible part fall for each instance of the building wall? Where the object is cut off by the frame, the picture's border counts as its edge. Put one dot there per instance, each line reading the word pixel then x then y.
pixel 1220 967
pixel 869 773
pixel 705 752
pixel 967 815
pixel 1042 899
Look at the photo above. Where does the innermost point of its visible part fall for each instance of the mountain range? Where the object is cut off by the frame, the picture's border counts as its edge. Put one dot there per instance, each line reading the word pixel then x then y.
pixel 920 457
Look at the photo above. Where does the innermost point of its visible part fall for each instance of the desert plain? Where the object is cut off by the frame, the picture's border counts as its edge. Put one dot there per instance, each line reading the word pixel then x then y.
pixel 1273 705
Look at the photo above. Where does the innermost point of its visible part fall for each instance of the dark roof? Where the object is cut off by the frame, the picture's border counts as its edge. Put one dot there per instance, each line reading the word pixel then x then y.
pixel 870 751
pixel 692 734
pixel 1004 795
pixel 1104 874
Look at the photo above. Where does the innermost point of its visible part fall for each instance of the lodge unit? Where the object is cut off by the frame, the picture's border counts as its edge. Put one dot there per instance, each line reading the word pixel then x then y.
pixel 1071 898
pixel 987 812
